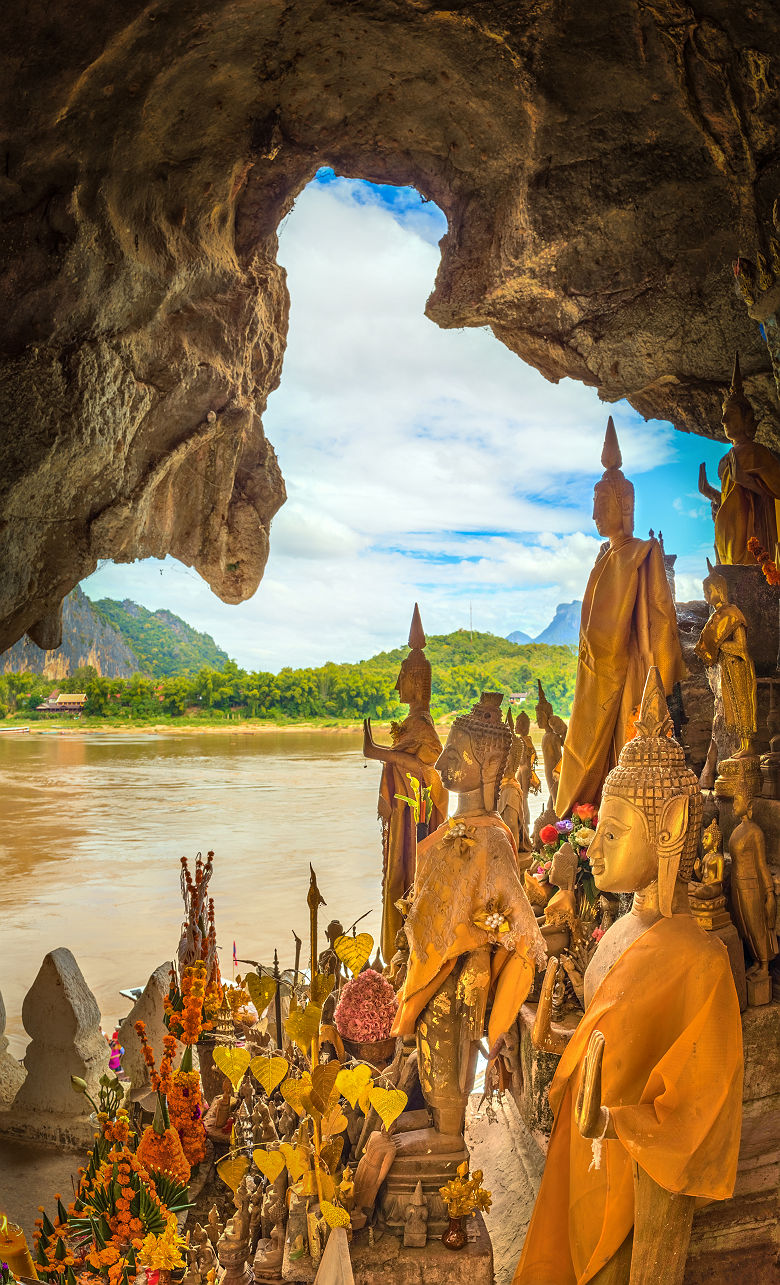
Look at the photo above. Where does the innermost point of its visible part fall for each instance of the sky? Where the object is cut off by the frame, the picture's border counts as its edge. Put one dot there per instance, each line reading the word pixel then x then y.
pixel 421 464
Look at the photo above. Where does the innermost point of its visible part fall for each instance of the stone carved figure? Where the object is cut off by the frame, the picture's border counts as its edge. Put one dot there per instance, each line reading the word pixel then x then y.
pixel 748 502
pixel 526 772
pixel 723 642
pixel 560 913
pixel 468 907
pixel 511 798
pixel 554 730
pixel 753 899
pixel 416 1220
pixel 628 624
pixel 647 1097
pixel 415 749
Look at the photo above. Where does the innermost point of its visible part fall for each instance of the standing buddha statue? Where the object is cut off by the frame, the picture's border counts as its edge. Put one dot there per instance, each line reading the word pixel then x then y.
pixel 723 642
pixel 628 625
pixel 753 897
pixel 554 730
pixel 748 502
pixel 472 934
pixel 415 749
pixel 512 803
pixel 647 1097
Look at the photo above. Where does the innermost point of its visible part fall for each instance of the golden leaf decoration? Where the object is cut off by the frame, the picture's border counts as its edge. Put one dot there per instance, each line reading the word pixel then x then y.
pixel 333 1121
pixel 330 1034
pixel 323 1081
pixel 352 1083
pixel 303 1025
pixel 321 986
pixel 295 1159
pixel 232 1063
pixel 294 1091
pixel 271 1163
pixel 354 952
pixel 269 1071
pixel 261 991
pixel 388 1103
pixel 330 1154
pixel 232 1169
pixel 334 1215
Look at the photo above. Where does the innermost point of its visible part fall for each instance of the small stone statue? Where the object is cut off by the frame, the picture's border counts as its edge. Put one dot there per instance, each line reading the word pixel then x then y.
pixel 263 1127
pixel 554 730
pixel 329 961
pixel 511 800
pixel 400 961
pixel 288 1123
pixel 723 642
pixel 232 1252
pixel 215 1227
pixel 526 772
pixel 416 1221
pixel 560 914
pixel 753 898
pixel 224 1105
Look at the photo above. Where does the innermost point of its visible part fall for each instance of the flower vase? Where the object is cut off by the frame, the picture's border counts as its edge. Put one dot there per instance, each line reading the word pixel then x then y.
pixel 379 1054
pixel 422 831
pixel 455 1235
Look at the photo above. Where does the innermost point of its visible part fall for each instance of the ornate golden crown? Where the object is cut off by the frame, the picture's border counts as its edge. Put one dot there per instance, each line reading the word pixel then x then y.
pixel 486 728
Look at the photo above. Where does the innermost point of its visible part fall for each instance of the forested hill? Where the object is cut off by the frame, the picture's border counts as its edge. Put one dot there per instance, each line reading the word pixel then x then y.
pixel 163 643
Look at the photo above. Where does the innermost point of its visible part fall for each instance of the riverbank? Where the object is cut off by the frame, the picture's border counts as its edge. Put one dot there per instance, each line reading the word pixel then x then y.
pixel 80 725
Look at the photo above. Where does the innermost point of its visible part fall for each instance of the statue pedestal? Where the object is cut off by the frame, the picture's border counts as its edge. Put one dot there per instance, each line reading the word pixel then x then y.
pixel 735 772
pixel 389 1260
pixel 537 1069
pixel 759 991
pixel 422 1155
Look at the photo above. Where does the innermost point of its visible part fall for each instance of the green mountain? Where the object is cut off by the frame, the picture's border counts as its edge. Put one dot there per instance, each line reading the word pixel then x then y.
pixel 87 640
pixel 162 643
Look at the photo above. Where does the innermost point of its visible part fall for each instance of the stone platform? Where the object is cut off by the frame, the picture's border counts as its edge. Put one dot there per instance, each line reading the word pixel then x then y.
pixel 388 1260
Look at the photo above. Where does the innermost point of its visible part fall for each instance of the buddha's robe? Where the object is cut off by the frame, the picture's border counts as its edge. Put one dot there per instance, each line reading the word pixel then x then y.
pixel 456 878
pixel 672 1079
pixel 749 504
pixel 511 809
pixel 723 641
pixel 628 624
pixel 416 736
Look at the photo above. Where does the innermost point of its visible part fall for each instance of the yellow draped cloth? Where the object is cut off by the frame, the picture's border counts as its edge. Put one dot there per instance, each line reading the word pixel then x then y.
pixel 451 888
pixel 717 644
pixel 416 736
pixel 672 1079
pixel 750 503
pixel 628 624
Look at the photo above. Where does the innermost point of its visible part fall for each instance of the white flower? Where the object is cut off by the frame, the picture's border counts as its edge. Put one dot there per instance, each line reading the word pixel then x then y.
pixel 584 837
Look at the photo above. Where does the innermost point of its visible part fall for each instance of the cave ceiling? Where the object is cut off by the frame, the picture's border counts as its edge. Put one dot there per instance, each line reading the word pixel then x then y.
pixel 600 166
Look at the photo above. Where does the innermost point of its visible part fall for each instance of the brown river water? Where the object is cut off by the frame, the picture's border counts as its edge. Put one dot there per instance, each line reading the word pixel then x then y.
pixel 92 826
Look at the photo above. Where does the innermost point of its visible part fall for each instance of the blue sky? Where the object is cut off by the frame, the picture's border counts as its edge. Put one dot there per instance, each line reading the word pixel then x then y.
pixel 421 464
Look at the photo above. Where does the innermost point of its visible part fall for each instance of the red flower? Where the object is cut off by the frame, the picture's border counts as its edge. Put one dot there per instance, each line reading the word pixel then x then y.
pixel 549 834
pixel 584 811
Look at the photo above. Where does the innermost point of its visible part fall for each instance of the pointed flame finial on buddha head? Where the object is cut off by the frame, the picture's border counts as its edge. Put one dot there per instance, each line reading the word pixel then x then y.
pixel 650 814
pixel 613 497
pixel 414 679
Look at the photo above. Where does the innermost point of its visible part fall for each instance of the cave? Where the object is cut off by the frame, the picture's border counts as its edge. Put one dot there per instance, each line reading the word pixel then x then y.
pixel 600 172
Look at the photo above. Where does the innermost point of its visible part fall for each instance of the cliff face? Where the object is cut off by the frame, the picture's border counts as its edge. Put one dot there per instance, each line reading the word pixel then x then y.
pixel 600 167
pixel 565 625
pixel 86 640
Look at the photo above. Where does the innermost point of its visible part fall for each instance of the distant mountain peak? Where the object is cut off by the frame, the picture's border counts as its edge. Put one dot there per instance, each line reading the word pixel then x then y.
pixel 564 628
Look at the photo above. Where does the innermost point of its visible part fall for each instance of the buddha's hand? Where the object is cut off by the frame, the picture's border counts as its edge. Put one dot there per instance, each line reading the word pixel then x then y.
pixel 369 747
pixel 543 1036
pixel 705 487
pixel 592 1118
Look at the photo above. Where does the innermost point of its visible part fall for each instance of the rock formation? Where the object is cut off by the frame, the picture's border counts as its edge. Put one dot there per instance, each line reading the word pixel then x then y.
pixel 600 168
pixel 11 1072
pixel 149 1009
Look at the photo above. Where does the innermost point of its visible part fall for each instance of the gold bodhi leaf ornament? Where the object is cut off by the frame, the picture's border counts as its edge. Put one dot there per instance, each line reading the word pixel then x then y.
pixel 388 1103
pixel 303 1025
pixel 352 1083
pixel 354 952
pixel 270 1163
pixel 269 1072
pixel 321 986
pixel 232 1169
pixel 261 991
pixel 233 1063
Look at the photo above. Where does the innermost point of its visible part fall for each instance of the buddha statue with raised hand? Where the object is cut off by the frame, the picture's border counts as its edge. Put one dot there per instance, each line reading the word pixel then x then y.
pixel 415 749
pixel 647 1097
pixel 472 934
pixel 628 624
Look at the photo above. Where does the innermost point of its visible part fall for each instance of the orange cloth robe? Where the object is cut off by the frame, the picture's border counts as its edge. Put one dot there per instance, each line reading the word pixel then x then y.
pixel 750 503
pixel 416 736
pixel 672 1079
pixel 449 890
pixel 627 608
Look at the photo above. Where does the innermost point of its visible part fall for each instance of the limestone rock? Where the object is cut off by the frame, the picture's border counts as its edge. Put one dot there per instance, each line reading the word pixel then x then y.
pixel 600 167
pixel 61 1016
pixel 11 1072
pixel 149 1009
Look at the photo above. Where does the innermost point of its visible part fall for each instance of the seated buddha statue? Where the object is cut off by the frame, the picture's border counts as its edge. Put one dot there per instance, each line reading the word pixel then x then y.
pixel 628 624
pixel 415 749
pixel 647 1097
pixel 473 937
pixel 748 501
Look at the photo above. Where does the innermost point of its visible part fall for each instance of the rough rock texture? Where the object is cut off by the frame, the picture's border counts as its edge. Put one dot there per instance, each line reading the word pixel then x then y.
pixel 11 1071
pixel 150 1010
pixel 600 168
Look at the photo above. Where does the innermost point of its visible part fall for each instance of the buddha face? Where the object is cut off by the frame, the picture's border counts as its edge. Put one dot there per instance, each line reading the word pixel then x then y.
pixel 622 856
pixel 738 422
pixel 457 765
pixel 607 510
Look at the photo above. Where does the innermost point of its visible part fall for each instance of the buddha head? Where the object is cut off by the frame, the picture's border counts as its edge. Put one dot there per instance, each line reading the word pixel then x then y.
pixel 650 813
pixel 563 869
pixel 414 680
pixel 711 837
pixel 716 591
pixel 613 496
pixel 522 723
pixel 738 419
pixel 476 751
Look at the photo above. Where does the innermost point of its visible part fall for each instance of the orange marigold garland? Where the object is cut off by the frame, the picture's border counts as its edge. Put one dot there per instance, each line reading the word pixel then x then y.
pixel 764 560
pixel 186 1109
pixel 160 1146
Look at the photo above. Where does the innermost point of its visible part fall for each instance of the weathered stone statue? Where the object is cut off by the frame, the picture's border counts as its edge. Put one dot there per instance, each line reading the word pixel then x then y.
pixel 512 803
pixel 628 625
pixel 526 772
pixel 415 749
pixel 723 642
pixel 471 931
pixel 560 913
pixel 554 730
pixel 753 898
pixel 648 1093
pixel 748 502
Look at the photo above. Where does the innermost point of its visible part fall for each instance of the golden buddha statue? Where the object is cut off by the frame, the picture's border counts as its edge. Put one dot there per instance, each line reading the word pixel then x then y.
pixel 472 934
pixel 526 773
pixel 512 800
pixel 628 625
pixel 560 913
pixel 554 730
pixel 748 502
pixel 647 1097
pixel 415 749
pixel 723 642
pixel 753 899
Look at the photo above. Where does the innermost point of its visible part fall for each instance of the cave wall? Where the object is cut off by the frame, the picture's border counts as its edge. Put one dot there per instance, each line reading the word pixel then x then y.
pixel 600 168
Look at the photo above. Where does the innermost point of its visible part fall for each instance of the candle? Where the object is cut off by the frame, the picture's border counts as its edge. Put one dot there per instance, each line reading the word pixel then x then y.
pixel 14 1251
